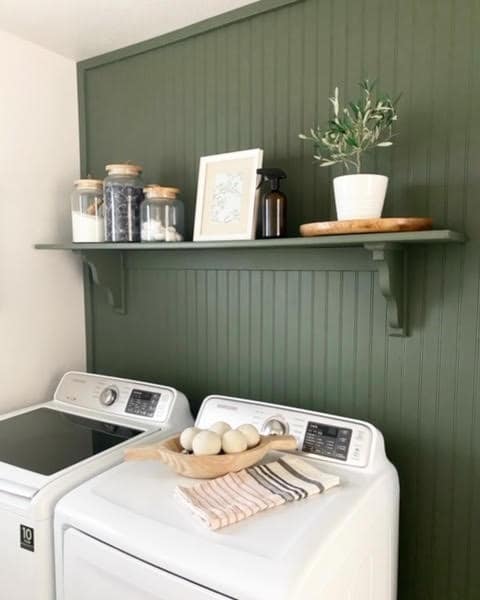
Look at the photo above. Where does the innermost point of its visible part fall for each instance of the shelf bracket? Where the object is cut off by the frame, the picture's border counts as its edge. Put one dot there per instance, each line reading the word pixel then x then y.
pixel 108 271
pixel 391 261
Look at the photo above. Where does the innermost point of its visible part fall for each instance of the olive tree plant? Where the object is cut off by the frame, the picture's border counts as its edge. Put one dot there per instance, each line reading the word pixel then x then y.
pixel 357 128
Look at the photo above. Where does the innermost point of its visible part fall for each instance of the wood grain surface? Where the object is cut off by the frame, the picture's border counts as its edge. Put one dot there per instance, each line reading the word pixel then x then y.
pixel 365 226
pixel 207 467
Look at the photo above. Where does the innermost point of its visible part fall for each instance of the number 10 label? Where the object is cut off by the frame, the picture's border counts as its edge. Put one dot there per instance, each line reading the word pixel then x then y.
pixel 27 538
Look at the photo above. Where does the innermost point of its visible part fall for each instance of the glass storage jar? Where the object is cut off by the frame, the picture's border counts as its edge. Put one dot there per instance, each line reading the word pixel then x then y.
pixel 87 211
pixel 123 194
pixel 162 215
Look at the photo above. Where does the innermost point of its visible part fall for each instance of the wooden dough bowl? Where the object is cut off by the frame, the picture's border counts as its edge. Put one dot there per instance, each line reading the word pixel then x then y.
pixel 169 452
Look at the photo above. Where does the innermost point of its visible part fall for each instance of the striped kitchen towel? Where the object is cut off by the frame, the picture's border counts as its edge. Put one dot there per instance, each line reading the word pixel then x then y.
pixel 236 496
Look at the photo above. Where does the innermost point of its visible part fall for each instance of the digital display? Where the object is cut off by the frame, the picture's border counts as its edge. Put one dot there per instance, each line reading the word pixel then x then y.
pixel 330 431
pixel 143 395
pixel 326 440
pixel 143 403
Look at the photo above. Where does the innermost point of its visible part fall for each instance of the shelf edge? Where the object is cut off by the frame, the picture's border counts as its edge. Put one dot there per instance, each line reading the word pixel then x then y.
pixel 335 241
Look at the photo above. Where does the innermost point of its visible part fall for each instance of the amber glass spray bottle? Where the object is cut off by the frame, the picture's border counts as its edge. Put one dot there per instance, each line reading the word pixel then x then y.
pixel 273 207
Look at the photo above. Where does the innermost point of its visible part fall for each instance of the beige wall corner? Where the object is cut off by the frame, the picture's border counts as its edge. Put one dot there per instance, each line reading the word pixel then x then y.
pixel 41 299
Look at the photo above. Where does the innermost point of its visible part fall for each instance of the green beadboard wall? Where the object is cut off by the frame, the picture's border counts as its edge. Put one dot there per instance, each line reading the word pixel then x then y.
pixel 308 327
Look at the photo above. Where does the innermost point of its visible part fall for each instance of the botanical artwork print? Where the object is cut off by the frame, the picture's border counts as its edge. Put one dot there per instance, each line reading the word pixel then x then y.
pixel 227 198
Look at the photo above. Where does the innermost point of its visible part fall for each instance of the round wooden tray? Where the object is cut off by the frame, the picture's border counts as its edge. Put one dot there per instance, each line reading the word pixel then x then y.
pixel 366 226
pixel 207 467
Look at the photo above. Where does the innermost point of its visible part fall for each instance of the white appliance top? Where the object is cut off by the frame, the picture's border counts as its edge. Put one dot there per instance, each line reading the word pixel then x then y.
pixel 335 439
pixel 132 507
pixel 90 415
pixel 142 402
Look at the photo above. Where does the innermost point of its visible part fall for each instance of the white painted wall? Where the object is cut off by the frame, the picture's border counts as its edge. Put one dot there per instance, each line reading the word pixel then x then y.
pixel 41 298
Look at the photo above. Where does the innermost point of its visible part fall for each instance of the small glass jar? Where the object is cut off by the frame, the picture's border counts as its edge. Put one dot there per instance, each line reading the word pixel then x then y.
pixel 162 215
pixel 123 194
pixel 87 211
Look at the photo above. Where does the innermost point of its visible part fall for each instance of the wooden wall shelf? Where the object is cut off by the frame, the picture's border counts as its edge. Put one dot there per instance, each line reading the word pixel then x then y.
pixel 388 251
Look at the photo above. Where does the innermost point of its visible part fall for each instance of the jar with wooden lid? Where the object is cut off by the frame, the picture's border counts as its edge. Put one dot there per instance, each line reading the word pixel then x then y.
pixel 87 211
pixel 123 194
pixel 162 215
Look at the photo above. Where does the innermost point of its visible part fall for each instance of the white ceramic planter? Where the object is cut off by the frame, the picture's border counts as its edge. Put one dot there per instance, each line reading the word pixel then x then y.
pixel 359 196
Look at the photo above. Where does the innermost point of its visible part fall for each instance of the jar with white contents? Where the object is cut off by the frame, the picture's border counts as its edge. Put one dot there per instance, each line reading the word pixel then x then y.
pixel 87 211
pixel 162 215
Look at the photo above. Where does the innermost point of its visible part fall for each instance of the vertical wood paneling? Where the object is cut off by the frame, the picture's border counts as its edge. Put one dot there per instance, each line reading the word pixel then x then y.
pixel 280 324
pixel 292 366
pixel 305 339
pixel 460 522
pixel 410 418
pixel 311 337
pixel 319 327
pixel 245 322
pixel 267 331
pixel 363 348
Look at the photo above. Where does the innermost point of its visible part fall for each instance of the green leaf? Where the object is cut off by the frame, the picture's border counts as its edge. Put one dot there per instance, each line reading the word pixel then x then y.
pixel 358 127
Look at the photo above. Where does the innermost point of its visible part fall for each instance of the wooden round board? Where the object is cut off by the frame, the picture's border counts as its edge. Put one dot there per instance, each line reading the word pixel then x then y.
pixel 366 226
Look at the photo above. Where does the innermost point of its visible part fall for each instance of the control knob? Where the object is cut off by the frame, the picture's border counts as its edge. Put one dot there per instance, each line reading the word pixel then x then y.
pixel 275 426
pixel 108 396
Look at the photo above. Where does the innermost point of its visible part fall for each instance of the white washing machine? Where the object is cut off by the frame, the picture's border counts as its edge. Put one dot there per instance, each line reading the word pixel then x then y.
pixel 47 449
pixel 124 535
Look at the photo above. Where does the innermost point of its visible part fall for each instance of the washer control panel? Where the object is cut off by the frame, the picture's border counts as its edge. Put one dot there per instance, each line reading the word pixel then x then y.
pixel 117 396
pixel 319 435
pixel 143 403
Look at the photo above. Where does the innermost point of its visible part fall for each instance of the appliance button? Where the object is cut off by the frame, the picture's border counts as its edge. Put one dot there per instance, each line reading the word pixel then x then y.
pixel 108 396
pixel 356 452
pixel 275 426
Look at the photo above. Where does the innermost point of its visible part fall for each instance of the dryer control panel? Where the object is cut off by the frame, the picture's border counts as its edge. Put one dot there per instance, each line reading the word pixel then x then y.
pixel 319 435
pixel 326 440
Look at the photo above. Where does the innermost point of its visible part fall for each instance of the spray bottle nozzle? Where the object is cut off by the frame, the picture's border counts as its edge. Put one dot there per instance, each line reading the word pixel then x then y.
pixel 272 175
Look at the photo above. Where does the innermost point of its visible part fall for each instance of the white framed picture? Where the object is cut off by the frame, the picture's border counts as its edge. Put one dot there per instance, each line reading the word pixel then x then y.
pixel 227 196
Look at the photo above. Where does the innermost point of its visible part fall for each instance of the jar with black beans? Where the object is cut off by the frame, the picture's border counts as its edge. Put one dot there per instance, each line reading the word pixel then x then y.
pixel 123 194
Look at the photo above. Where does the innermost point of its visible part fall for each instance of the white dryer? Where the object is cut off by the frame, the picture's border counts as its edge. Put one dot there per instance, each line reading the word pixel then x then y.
pixel 124 535
pixel 49 448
